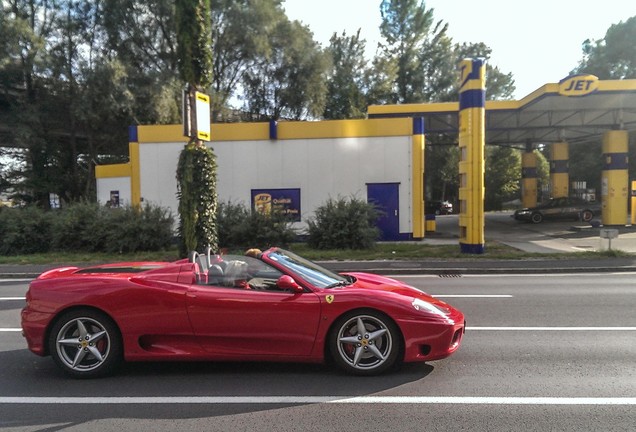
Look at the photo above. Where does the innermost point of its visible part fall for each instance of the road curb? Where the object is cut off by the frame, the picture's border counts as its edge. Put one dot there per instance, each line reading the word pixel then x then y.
pixel 437 270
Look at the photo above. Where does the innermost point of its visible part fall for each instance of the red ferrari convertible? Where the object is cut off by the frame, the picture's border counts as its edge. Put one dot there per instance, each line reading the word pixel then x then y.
pixel 275 306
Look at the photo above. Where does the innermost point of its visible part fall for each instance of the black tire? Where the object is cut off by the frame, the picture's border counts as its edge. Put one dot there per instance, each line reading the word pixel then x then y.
pixel 536 218
pixel 368 352
pixel 85 343
pixel 587 215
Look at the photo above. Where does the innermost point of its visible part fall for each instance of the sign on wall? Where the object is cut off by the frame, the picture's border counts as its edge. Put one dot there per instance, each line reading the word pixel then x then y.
pixel 114 199
pixel 285 201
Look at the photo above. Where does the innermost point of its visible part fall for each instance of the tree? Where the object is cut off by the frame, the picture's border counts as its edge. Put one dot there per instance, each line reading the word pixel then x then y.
pixel 141 44
pixel 345 85
pixel 196 172
pixel 66 100
pixel 24 28
pixel 379 81
pixel 420 48
pixel 442 170
pixel 242 31
pixel 502 176
pixel 614 56
pixel 290 82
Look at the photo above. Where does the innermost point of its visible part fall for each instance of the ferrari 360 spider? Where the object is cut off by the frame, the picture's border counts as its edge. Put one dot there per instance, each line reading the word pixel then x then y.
pixel 275 306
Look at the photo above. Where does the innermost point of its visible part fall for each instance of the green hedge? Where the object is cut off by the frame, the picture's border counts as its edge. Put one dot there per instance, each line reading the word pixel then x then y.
pixel 239 227
pixel 85 227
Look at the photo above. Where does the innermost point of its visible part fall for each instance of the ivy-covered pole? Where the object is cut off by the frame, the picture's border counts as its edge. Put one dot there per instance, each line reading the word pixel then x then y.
pixel 196 172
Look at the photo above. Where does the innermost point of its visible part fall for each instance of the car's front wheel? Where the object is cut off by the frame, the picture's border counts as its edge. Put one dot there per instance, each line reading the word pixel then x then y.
pixel 365 343
pixel 536 217
pixel 85 343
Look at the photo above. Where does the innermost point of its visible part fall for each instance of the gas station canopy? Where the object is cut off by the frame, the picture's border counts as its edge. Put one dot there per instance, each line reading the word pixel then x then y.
pixel 580 108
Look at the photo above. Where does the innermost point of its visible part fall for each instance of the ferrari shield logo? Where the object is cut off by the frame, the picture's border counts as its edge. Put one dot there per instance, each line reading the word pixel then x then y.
pixel 329 298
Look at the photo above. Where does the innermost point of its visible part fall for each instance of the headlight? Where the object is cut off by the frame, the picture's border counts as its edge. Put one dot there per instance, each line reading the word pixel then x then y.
pixel 419 304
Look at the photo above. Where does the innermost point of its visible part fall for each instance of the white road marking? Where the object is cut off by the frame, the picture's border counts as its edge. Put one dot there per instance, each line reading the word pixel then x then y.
pixel 453 400
pixel 471 295
pixel 489 329
pixel 550 328
pixel 508 275
pixel 12 298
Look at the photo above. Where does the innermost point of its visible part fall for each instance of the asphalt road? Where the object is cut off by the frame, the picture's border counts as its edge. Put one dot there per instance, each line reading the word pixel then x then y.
pixel 541 353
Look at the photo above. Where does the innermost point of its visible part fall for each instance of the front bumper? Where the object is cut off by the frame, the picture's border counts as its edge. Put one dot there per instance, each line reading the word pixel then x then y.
pixel 433 341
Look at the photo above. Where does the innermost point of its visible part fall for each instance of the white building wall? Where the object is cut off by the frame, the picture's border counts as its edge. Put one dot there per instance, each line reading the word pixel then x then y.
pixel 320 168
pixel 158 173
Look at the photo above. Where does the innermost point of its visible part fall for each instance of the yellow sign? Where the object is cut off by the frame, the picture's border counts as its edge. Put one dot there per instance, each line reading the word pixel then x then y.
pixel 202 102
pixel 578 85
pixel 329 298
pixel 263 203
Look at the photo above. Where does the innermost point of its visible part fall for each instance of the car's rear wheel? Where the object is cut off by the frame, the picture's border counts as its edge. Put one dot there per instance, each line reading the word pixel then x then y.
pixel 536 217
pixel 85 343
pixel 587 215
pixel 365 343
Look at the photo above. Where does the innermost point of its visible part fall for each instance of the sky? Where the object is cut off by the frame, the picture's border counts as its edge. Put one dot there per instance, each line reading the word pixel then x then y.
pixel 538 41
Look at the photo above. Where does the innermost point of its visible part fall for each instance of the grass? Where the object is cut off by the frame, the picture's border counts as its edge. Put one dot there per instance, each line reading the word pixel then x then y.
pixel 381 251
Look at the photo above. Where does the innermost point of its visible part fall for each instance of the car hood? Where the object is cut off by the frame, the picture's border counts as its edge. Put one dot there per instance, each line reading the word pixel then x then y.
pixel 367 281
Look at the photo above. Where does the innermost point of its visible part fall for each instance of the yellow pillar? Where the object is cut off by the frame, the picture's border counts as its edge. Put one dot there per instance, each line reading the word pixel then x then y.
pixel 614 178
pixel 529 179
pixel 418 177
pixel 135 169
pixel 559 175
pixel 633 214
pixel 472 104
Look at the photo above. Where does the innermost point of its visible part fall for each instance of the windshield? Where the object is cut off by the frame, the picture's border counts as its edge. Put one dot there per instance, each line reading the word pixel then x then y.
pixel 311 272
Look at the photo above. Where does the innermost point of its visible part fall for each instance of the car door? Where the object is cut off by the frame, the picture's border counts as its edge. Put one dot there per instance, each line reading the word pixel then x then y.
pixel 569 209
pixel 554 209
pixel 230 321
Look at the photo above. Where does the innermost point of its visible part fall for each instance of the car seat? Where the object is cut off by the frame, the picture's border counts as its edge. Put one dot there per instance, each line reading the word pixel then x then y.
pixel 235 274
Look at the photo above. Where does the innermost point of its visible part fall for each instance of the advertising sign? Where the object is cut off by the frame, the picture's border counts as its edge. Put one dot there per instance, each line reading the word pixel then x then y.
pixel 114 199
pixel 202 109
pixel 195 110
pixel 284 201
pixel 578 85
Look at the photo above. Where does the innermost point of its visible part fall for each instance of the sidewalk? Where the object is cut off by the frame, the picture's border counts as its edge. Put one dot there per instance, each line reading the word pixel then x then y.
pixel 547 237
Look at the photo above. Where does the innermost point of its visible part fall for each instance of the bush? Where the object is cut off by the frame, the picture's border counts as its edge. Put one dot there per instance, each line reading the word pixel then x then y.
pixel 79 227
pixel 239 227
pixel 130 229
pixel 24 231
pixel 344 224
pixel 85 227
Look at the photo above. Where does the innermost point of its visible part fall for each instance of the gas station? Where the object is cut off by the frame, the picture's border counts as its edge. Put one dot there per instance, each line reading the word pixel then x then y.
pixel 295 166
pixel 578 109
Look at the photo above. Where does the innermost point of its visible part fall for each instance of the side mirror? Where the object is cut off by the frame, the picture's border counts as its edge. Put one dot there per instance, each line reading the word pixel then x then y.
pixel 286 282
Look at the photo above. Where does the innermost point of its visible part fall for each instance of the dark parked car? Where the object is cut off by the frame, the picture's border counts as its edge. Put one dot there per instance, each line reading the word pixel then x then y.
pixel 560 208
pixel 439 207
